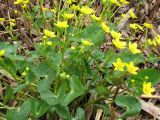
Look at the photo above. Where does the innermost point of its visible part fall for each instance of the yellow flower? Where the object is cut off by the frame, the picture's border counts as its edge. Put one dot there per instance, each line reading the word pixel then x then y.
pixel 24 74
pixel 135 26
pixel 87 43
pixel 70 1
pixel 119 44
pixel 63 24
pixel 131 68
pixel 115 2
pixel 133 48
pixel 140 27
pixel 2 52
pixel 75 7
pixel 45 9
pixel 116 35
pixel 87 10
pixel 15 11
pixel 49 43
pixel 53 10
pixel 49 33
pixel 18 2
pixel 147 25
pixel 105 27
pixel 2 19
pixel 25 2
pixel 124 1
pixel 95 18
pixel 68 16
pixel 158 39
pixel 147 88
pixel 123 15
pixel 119 65
pixel 132 14
pixel 152 42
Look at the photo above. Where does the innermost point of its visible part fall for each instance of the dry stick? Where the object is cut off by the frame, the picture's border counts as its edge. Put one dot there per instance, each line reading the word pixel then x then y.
pixel 5 32
pixel 150 97
pixel 124 20
pixel 150 108
pixel 98 114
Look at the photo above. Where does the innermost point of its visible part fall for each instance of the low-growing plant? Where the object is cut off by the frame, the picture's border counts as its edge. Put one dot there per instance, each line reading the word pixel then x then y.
pixel 74 60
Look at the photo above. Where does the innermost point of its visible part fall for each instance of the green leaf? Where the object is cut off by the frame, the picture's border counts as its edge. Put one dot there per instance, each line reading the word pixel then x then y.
pixel 101 90
pixel 80 114
pixel 93 32
pixel 131 104
pixel 21 114
pixel 63 112
pixel 39 108
pixel 153 58
pixel 47 95
pixel 20 87
pixel 30 76
pixel 49 14
pixel 8 94
pixel 76 89
pixel 42 69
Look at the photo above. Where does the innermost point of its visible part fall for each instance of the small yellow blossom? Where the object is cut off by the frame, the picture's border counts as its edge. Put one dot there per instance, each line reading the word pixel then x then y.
pixel 123 15
pixel 152 42
pixel 45 9
pixel 105 27
pixel 18 2
pixel 116 35
pixel 70 1
pixel 147 88
pixel 95 18
pixel 15 11
pixel 53 10
pixel 87 10
pixel 68 16
pixel 44 37
pixel 131 68
pixel 158 39
pixel 119 65
pixel 87 43
pixel 115 2
pixel 2 52
pixel 2 19
pixel 148 25
pixel 49 43
pixel 133 48
pixel 132 14
pixel 146 77
pixel 27 69
pixel 12 23
pixel 119 44
pixel 72 48
pixel 135 26
pixel 25 2
pixel 139 27
pixel 75 7
pixel 124 2
pixel 63 24
pixel 132 80
pixel 24 74
pixel 49 33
